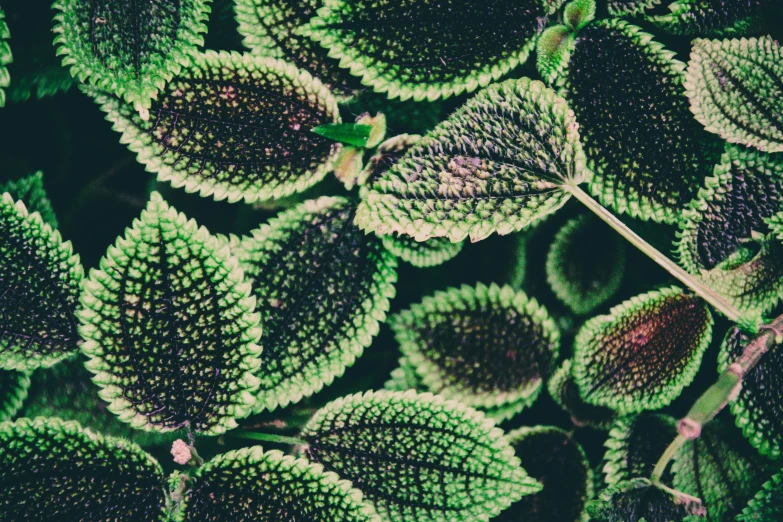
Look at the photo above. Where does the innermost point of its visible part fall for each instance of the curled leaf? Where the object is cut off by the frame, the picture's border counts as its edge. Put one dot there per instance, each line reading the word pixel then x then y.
pixel 639 500
pixel 710 17
pixel 432 252
pixel 766 504
pixel 30 191
pixel 644 352
pixel 565 393
pixel 14 386
pixel 418 458
pixel 635 444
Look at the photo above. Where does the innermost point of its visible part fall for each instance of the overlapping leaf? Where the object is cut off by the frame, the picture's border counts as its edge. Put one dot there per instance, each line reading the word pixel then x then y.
pixel 634 446
pixel 639 500
pixel 766 504
pixel 169 327
pixel 130 49
pixel 392 45
pixel 39 290
pixel 250 485
pixel 6 57
pixel 418 457
pixel 736 90
pixel 30 191
pixel 710 17
pixel 565 392
pixel 322 286
pixel 497 164
pixel 233 126
pixel 644 352
pixel 649 155
pixel 55 470
pixel 630 7
pixel 423 254
pixel 14 386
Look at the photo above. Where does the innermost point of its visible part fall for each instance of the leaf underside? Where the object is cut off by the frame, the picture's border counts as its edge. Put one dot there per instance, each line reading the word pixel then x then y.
pixel 322 287
pixel 55 470
pixel 710 17
pixel 766 505
pixel 233 126
pixel 169 327
pixel 30 191
pixel 496 165
pixel 620 8
pixel 634 446
pixel 5 57
pixel 39 290
pixel 389 44
pixel 648 153
pixel 636 500
pixel 418 458
pixel 565 392
pixel 253 485
pixel 14 386
pixel 644 352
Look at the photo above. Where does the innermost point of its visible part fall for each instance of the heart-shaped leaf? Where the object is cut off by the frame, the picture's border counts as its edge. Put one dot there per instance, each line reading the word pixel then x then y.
pixel 418 457
pixel 30 191
pixel 250 485
pixel 14 386
pixel 39 290
pixel 169 327
pixel 635 444
pixel 710 17
pixel 556 460
pixel 233 126
pixel 390 45
pixel 565 392
pixel 422 254
pixel 766 504
pixel 55 470
pixel 585 264
pixel 736 90
pixel 499 163
pixel 482 346
pixel 649 155
pixel 322 287
pixel 630 8
pixel 639 500
pixel 747 188
pixel 5 57
pixel 130 49
pixel 644 352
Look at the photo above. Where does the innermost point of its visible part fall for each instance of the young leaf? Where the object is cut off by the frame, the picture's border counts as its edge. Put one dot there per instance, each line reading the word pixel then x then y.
pixel 169 327
pixel 747 188
pixel 736 90
pixel 55 470
pixel 619 8
pixel 496 165
pixel 388 154
pixel 766 505
pixel 250 485
pixel 5 57
pixel 14 386
pixel 129 49
pixel 418 458
pixel 482 346
pixel 639 500
pixel 710 17
pixel 565 392
pixel 635 444
pixel 30 191
pixel 644 352
pixel 390 45
pixel 322 287
pixel 648 153
pixel 39 290
pixel 585 264
pixel 423 254
pixel 556 460
pixel 233 126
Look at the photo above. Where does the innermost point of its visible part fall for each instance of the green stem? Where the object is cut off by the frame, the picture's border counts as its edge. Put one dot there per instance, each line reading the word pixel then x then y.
pixel 268 437
pixel 667 456
pixel 692 282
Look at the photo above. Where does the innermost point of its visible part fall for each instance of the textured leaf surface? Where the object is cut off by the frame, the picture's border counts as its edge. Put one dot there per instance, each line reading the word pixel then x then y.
pixel 736 90
pixel 644 352
pixel 233 126
pixel 766 505
pixel 30 191
pixel 169 327
pixel 585 264
pixel 130 49
pixel 710 17
pixel 482 346
pixel 253 485
pixel 565 393
pixel 635 444
pixel 747 188
pixel 39 290
pixel 388 154
pixel 496 165
pixel 630 7
pixel 14 386
pixel 55 470
pixel 418 457
pixel 649 155
pixel 423 254
pixel 322 286
pixel 390 44
pixel 556 460
pixel 6 57
pixel 636 500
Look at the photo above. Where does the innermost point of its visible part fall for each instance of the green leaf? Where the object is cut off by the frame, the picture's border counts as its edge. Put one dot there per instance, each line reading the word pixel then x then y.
pixel 585 264
pixel 644 352
pixel 392 46
pixel 639 500
pixel 630 8
pixel 357 134
pixel 565 392
pixel 499 163
pixel 556 460
pixel 252 485
pixel 14 386
pixel 579 13
pixel 169 327
pixel 736 90
pixel 418 458
pixel 5 57
pixel 129 49
pixel 482 346
pixel 648 153
pixel 388 154
pixel 758 409
pixel 233 126
pixel 553 51
pixel 30 191
pixel 747 188
pixel 423 254
pixel 635 444
pixel 766 505
pixel 322 287
pixel 710 17
pixel 55 470
pixel 39 290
